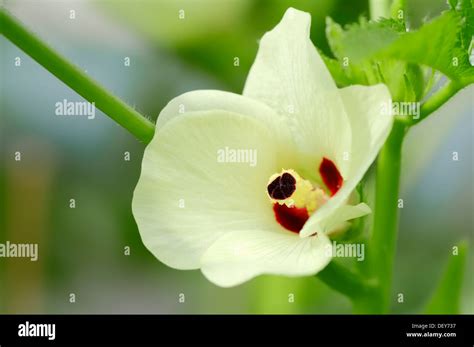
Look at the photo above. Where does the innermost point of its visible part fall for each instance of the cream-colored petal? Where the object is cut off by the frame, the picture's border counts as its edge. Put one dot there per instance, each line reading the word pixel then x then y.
pixel 241 255
pixel 186 197
pixel 371 124
pixel 204 100
pixel 345 213
pixel 369 110
pixel 289 75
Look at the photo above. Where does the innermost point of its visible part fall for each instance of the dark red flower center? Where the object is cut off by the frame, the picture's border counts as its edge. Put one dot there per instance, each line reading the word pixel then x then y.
pixel 291 218
pixel 282 187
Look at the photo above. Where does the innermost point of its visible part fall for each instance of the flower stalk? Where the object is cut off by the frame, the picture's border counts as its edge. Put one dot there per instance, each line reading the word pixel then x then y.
pixel 371 293
pixel 75 78
pixel 382 245
pixel 346 282
pixel 437 100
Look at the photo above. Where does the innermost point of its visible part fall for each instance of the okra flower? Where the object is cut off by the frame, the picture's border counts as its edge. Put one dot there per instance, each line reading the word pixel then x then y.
pixel 243 185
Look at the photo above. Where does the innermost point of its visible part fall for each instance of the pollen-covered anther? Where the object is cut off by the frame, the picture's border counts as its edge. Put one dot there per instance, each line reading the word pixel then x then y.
pixel 282 186
pixel 294 199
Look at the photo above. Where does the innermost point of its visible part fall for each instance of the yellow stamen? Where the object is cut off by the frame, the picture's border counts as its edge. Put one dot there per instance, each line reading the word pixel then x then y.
pixel 305 194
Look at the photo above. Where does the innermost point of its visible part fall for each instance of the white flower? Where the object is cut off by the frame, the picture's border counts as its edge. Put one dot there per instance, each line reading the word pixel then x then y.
pixel 201 204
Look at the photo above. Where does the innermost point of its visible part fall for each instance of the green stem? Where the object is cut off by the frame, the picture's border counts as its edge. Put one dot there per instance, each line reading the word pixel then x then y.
pixel 75 78
pixel 344 281
pixel 437 100
pixel 382 245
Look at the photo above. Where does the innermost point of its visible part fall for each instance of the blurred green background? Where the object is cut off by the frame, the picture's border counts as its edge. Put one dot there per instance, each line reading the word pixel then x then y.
pixel 81 250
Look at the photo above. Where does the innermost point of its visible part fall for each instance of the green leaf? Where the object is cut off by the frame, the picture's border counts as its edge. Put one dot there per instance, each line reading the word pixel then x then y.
pixel 414 83
pixel 344 75
pixel 334 35
pixel 356 45
pixel 436 44
pixel 361 40
pixel 467 28
pixel 394 74
pixel 446 297
pixel 416 77
pixel 383 52
pixel 409 90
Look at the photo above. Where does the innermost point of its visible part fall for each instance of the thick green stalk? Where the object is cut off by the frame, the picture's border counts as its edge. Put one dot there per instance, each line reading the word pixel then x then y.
pixel 382 245
pixel 372 294
pixel 75 78
pixel 345 281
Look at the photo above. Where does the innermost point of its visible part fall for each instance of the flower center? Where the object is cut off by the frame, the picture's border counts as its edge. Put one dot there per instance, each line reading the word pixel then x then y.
pixel 295 199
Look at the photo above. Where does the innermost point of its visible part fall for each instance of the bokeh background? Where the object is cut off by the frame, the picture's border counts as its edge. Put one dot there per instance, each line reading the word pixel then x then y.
pixel 82 249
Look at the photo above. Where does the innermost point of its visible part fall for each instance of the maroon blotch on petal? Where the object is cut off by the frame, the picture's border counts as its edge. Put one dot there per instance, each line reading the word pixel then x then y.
pixel 330 175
